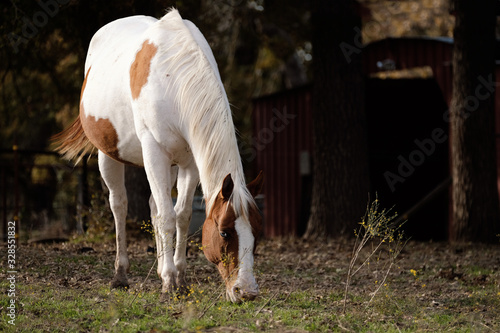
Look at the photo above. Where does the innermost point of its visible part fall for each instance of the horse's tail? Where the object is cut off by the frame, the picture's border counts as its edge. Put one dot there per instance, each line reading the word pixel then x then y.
pixel 72 142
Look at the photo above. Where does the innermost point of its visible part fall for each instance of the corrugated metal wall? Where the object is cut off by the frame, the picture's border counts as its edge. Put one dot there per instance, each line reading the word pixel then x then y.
pixel 281 135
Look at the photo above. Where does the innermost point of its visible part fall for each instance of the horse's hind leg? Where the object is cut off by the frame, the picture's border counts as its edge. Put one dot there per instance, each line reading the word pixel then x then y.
pixel 113 173
pixel 186 185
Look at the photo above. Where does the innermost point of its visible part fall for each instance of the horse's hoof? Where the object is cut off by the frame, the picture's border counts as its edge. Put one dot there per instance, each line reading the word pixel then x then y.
pixel 165 297
pixel 182 287
pixel 168 288
pixel 119 283
pixel 120 279
pixel 182 290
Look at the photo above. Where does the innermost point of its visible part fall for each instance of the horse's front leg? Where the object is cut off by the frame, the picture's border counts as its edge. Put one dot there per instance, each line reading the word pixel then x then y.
pixel 154 222
pixel 157 166
pixel 186 185
pixel 154 215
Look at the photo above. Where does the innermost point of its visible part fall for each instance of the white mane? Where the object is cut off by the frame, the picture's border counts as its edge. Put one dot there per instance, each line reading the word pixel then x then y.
pixel 204 109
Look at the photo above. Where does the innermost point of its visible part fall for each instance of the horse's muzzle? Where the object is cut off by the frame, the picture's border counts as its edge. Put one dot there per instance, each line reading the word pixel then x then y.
pixel 238 294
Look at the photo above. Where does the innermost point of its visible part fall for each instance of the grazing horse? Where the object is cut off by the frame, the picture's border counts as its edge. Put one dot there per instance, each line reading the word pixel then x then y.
pixel 153 97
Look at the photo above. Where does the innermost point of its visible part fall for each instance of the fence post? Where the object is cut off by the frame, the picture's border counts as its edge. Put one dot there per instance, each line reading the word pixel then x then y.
pixel 83 201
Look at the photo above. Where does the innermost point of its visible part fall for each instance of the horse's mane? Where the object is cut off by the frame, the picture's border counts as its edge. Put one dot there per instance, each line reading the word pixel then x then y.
pixel 204 109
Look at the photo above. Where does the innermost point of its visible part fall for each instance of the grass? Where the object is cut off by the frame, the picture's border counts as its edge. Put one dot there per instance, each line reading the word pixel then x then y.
pixel 61 289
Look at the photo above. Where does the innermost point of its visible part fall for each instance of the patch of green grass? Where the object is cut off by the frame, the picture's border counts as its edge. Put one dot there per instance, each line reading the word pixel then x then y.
pixel 63 290
pixel 50 308
pixel 479 271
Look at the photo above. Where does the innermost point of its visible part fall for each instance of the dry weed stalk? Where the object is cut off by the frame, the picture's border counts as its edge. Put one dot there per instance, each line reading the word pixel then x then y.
pixel 383 230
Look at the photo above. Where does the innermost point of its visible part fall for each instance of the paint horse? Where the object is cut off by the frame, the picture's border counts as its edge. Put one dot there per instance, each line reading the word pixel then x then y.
pixel 153 97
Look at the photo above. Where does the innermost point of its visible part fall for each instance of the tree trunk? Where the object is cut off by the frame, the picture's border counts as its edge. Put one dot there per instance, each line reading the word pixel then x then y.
pixel 475 194
pixel 340 184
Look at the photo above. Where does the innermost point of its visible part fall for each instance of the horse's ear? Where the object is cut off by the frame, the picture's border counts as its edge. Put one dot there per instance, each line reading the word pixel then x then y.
pixel 255 186
pixel 227 187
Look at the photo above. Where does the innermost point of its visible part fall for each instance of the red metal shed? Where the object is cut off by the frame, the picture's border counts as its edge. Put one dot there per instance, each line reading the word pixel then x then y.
pixel 280 153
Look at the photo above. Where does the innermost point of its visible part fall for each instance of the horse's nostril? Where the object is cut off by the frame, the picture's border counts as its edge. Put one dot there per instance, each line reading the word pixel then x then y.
pixel 248 296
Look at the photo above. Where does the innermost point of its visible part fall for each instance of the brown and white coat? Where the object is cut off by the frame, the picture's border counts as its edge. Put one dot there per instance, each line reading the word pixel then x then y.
pixel 153 97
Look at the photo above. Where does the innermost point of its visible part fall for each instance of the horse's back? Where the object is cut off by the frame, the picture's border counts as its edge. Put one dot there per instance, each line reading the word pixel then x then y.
pixel 119 36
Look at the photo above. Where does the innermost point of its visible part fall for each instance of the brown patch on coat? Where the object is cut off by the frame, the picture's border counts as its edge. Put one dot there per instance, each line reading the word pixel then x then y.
pixel 102 134
pixel 139 71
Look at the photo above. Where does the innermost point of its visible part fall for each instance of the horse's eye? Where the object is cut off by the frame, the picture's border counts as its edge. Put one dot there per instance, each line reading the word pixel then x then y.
pixel 224 234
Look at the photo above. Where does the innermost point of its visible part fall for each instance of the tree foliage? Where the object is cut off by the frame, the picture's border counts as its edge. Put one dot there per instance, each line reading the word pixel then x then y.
pixel 44 47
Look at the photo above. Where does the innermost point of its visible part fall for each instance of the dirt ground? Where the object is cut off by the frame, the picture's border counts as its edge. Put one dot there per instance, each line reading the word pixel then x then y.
pixel 436 273
pixel 433 275
pixel 294 263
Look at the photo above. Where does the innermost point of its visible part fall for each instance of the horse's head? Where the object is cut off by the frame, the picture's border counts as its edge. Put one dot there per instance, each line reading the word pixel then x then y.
pixel 229 241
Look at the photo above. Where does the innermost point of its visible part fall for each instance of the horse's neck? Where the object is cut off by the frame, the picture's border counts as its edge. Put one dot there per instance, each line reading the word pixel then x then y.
pixel 205 115
pixel 216 157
